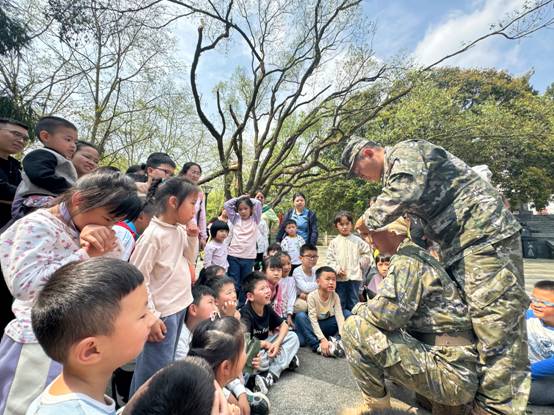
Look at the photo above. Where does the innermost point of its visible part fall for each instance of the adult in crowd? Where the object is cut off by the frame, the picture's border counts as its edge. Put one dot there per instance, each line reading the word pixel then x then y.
pixel 193 172
pixel 481 249
pixel 86 158
pixel 268 214
pixel 306 220
pixel 14 135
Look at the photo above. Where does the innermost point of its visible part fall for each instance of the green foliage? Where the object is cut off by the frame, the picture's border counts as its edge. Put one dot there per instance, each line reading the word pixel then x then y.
pixel 13 34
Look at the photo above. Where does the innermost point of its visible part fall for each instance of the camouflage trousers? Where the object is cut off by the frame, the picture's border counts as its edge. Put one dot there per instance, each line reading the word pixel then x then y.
pixel 492 283
pixel 446 375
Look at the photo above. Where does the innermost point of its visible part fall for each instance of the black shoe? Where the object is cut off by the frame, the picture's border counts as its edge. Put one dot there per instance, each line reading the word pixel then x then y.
pixel 259 404
pixel 294 363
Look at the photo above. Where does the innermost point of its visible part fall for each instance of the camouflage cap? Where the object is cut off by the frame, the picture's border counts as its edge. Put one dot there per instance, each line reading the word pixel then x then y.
pixel 351 150
pixel 400 226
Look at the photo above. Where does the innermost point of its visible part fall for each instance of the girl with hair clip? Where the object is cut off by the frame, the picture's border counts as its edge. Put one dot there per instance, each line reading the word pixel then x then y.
pixel 77 227
pixel 221 342
pixel 244 215
pixel 163 254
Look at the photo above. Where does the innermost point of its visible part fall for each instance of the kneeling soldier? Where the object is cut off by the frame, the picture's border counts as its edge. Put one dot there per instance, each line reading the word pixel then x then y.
pixel 415 332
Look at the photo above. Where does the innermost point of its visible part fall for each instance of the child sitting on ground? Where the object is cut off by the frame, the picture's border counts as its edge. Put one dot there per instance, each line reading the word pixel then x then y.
pixel 273 270
pixel 184 387
pixel 292 243
pixel 202 308
pixel 540 332
pixel 304 277
pixel 92 317
pixel 215 252
pixel 382 264
pixel 274 249
pixel 208 273
pixel 324 319
pixel 225 296
pixel 347 254
pixel 48 171
pixel 279 349
pixel 221 343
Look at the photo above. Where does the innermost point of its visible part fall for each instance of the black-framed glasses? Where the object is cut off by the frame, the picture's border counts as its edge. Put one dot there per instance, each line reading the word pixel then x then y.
pixel 166 171
pixel 17 134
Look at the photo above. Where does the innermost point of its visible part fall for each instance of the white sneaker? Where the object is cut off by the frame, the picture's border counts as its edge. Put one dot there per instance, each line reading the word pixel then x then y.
pixel 332 349
pixel 339 348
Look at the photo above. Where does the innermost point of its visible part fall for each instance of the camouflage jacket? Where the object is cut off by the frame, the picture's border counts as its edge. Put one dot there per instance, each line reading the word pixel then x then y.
pixel 417 295
pixel 459 210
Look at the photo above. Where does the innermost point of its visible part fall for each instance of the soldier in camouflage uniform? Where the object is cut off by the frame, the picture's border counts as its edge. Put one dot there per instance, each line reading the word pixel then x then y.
pixel 481 248
pixel 416 331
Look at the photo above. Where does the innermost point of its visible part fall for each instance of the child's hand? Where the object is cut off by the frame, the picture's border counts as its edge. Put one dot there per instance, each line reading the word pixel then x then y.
pixel 274 349
pixel 256 362
pixel 341 274
pixel 324 344
pixel 97 240
pixel 290 322
pixel 229 308
pixel 303 296
pixel 157 332
pixel 192 229
pixel 243 404
pixel 220 406
pixel 265 344
pixel 233 409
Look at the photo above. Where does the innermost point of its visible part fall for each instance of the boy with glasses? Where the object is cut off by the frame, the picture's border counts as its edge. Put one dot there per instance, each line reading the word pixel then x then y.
pixel 304 276
pixel 158 166
pixel 540 333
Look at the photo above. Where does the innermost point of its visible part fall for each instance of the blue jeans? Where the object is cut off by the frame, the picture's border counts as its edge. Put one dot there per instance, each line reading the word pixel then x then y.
pixel 238 269
pixel 156 356
pixel 348 292
pixel 305 331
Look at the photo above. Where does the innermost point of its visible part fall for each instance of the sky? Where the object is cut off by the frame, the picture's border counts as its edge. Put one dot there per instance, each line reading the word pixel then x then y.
pixel 423 30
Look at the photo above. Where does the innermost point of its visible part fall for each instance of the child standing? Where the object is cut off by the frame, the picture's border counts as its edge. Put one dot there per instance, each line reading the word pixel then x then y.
pixel 32 249
pixel 347 254
pixel 244 215
pixel 540 331
pixel 163 254
pixel 215 252
pixel 92 317
pixel 304 277
pixel 279 350
pixel 292 243
pixel 324 319
pixel 47 171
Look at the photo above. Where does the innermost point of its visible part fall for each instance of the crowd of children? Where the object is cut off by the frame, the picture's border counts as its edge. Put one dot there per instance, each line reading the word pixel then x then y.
pixel 102 268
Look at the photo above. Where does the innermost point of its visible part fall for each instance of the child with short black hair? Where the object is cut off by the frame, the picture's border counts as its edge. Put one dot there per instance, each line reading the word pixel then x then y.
pixel 48 171
pixel 274 249
pixel 321 327
pixel 215 252
pixel 184 387
pixel 292 243
pixel 163 254
pixel 348 254
pixel 279 349
pixel 203 307
pixel 159 166
pixel 225 296
pixel 540 333
pixel 244 215
pixel 304 277
pixel 208 273
pixel 92 317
